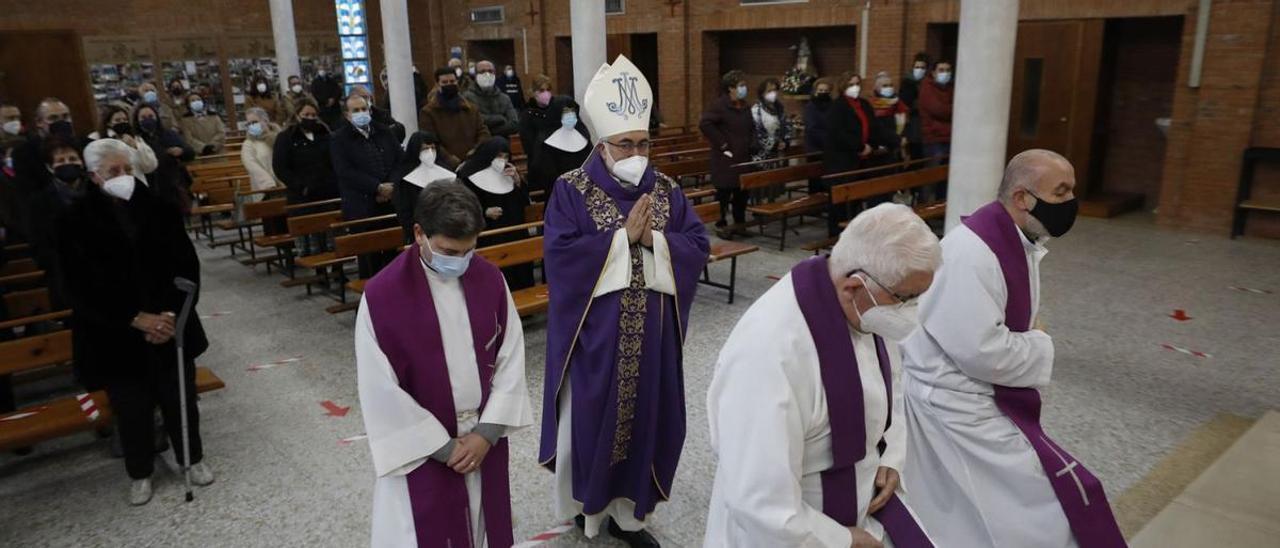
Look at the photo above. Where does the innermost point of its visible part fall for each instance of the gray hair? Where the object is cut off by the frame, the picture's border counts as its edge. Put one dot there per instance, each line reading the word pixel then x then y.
pixel 99 151
pixel 1023 170
pixel 260 113
pixel 888 241
pixel 43 108
pixel 883 77
pixel 450 209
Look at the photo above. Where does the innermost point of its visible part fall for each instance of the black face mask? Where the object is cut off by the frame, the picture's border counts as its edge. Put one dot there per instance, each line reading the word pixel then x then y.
pixel 823 99
pixel 149 125
pixel 311 124
pixel 68 173
pixel 122 128
pixel 61 128
pixel 1056 218
pixel 449 91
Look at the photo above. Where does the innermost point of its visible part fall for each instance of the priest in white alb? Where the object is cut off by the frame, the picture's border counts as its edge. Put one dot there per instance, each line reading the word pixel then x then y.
pixel 440 367
pixel 806 405
pixel 980 469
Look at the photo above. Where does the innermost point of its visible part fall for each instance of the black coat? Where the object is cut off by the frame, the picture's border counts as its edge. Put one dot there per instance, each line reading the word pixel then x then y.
pixel 324 88
pixel 119 259
pixel 844 140
pixel 170 180
pixel 361 164
pixel 728 128
pixel 46 208
pixel 304 166
pixel 815 126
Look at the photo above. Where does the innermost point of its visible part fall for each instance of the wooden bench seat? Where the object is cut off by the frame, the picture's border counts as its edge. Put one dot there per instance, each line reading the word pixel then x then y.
pixel 885 185
pixel 529 301
pixel 322 260
pixel 63 416
pixel 722 251
pixel 784 209
pixel 212 209
pixel 532 300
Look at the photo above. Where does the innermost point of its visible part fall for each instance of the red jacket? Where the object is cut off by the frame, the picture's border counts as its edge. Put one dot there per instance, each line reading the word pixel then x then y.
pixel 935 111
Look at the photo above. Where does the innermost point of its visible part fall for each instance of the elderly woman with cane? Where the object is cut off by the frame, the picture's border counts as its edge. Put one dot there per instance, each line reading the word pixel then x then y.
pixel 122 248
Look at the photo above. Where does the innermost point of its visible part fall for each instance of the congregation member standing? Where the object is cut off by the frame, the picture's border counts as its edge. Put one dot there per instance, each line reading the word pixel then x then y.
pixel 503 195
pixel 121 249
pixel 981 470
pixel 937 94
pixel 815 116
pixel 624 250
pixel 292 97
pixel 52 120
pixel 848 140
pixel 772 127
pixel 326 87
pixel 909 91
pixel 726 123
pixel 115 124
pixel 257 149
pixel 509 84
pixel 561 144
pixel 496 109
pixel 806 402
pixel 149 94
pixel 262 95
pixel 453 119
pixel 302 159
pixel 206 132
pixel 420 165
pixel 890 122
pixel 364 153
pixel 170 181
pixel 440 372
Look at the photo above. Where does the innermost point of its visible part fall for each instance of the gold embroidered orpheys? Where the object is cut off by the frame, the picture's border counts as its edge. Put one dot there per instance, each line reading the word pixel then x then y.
pixel 633 300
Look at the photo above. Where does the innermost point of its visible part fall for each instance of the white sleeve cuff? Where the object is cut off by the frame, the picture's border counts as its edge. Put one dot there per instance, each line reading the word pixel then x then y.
pixel 616 275
pixel 657 266
pixel 1044 342
pixel 510 410
pixel 399 453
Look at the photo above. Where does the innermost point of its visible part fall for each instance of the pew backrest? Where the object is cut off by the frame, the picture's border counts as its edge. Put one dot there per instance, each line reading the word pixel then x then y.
pixel 887 184
pixel 315 223
pixel 513 253
pixel 361 243
pixel 782 175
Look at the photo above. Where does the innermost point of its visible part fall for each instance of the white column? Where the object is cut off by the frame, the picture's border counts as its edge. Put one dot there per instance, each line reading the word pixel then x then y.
pixel 980 119
pixel 286 42
pixel 395 38
pixel 586 23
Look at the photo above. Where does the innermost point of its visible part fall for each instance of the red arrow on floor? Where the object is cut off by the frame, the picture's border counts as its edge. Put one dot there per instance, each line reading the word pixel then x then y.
pixel 1180 315
pixel 334 410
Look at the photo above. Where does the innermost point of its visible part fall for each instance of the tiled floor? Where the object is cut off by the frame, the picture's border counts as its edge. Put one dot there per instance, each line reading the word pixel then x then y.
pixel 1120 400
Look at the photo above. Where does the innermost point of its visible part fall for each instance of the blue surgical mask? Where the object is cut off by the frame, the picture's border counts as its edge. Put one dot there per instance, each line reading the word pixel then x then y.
pixel 197 106
pixel 569 120
pixel 742 92
pixel 149 97
pixel 943 78
pixel 446 265
pixel 361 119
pixel 255 129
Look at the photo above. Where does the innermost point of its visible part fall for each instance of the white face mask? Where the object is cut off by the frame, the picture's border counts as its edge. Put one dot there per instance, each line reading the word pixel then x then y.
pixel 770 96
pixel 457 71
pixel 12 127
pixel 895 323
pixel 886 91
pixel 853 91
pixel 485 80
pixel 510 73
pixel 943 77
pixel 918 73
pixel 120 187
pixel 296 88
pixel 498 164
pixel 427 157
pixel 630 170
pixel 262 88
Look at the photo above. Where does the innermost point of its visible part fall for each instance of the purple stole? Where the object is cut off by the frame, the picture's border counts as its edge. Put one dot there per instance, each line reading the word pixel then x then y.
pixel 1079 492
pixel 408 331
pixel 843 387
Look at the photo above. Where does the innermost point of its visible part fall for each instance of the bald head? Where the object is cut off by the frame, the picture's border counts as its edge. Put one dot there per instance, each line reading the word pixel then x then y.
pixel 1029 168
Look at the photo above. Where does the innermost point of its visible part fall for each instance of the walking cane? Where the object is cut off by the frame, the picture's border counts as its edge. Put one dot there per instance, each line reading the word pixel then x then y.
pixel 189 287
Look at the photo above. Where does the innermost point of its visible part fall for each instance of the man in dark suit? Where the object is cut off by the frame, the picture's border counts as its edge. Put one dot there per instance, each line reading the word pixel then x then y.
pixel 364 152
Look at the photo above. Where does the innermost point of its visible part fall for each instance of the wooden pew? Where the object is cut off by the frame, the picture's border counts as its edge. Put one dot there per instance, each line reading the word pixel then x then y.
pixel 351 246
pixel 883 185
pixel 531 300
pixel 306 225
pixel 28 302
pixel 275 215
pixel 786 208
pixel 722 250
pixel 26 279
pixel 19 266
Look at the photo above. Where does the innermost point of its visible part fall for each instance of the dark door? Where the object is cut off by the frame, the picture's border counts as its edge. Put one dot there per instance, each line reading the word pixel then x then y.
pixel 26 74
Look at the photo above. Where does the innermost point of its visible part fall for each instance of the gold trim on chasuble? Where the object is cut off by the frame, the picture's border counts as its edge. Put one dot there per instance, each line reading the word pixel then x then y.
pixel 632 304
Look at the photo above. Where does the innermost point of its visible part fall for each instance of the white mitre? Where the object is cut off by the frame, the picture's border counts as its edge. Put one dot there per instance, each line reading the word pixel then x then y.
pixel 618 99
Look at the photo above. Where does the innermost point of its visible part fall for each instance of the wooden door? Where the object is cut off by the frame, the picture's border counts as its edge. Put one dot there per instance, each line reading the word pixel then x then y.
pixel 39 64
pixel 1055 75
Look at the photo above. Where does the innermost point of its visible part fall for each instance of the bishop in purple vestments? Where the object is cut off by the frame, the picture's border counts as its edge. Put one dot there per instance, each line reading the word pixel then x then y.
pixel 624 250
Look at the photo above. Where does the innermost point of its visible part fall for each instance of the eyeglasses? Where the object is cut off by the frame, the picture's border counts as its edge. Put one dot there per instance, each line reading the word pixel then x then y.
pixel 903 300
pixel 629 147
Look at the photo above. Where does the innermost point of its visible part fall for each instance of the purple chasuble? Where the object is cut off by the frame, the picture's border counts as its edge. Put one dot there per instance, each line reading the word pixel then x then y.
pixel 408 330
pixel 842 384
pixel 619 352
pixel 1080 493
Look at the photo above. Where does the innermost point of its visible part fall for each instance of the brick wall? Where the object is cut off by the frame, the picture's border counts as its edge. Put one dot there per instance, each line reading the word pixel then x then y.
pixel 1239 104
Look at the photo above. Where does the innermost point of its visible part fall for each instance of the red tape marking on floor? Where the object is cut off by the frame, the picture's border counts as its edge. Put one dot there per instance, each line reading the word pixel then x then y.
pixel 545 536
pixel 1186 351
pixel 1180 315
pixel 348 441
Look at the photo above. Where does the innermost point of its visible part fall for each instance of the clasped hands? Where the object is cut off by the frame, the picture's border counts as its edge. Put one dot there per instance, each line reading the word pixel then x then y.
pixel 468 453
pixel 639 220
pixel 158 328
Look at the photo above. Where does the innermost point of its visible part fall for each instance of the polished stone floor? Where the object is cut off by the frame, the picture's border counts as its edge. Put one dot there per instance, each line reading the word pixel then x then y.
pixel 1120 399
